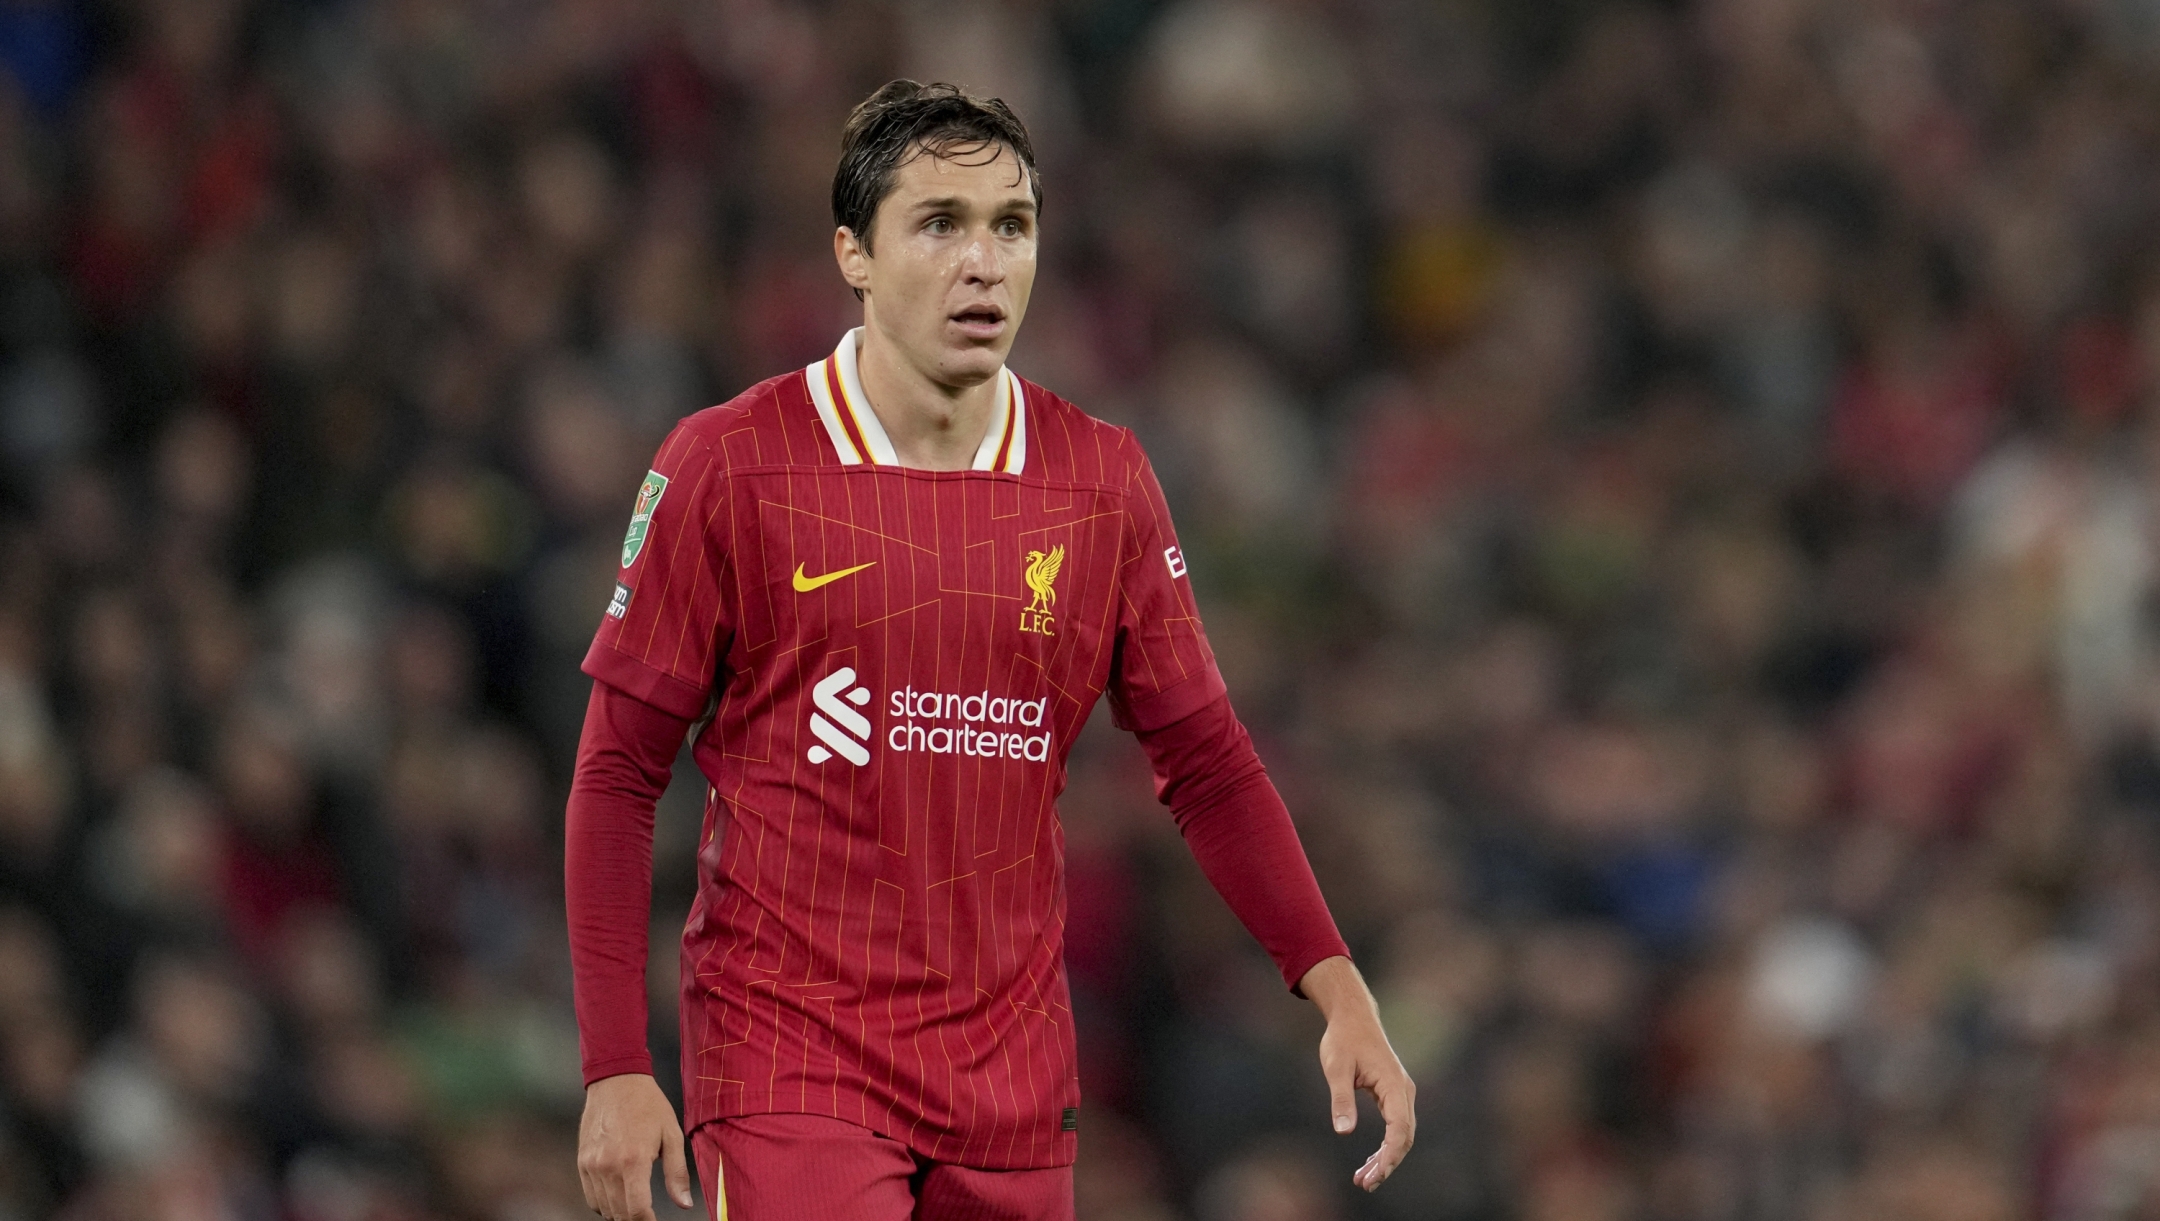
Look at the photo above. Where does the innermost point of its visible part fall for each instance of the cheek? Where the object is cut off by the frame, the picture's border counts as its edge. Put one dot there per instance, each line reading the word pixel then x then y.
pixel 922 275
pixel 1020 275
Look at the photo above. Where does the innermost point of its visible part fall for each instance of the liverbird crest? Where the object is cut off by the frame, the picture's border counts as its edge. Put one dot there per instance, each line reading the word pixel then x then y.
pixel 1041 574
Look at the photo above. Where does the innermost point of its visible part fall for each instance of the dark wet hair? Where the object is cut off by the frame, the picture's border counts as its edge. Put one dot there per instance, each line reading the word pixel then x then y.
pixel 903 120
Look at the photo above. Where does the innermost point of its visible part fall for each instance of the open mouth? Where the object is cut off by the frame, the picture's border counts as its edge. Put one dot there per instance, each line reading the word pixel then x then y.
pixel 984 317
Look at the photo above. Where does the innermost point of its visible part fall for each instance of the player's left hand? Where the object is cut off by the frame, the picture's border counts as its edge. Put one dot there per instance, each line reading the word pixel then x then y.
pixel 1355 1055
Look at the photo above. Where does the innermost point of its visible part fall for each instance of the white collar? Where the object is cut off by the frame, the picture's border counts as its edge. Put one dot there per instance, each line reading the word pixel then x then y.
pixel 859 437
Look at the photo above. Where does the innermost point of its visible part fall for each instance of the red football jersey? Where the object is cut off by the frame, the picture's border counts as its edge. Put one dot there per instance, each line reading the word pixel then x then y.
pixel 895 663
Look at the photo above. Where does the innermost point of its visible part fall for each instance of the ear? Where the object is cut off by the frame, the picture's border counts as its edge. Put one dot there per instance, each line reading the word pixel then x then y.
pixel 853 259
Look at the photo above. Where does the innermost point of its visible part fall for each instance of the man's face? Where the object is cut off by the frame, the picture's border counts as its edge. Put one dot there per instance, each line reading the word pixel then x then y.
pixel 953 262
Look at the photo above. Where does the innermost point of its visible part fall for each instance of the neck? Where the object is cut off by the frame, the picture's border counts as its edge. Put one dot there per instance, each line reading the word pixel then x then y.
pixel 932 426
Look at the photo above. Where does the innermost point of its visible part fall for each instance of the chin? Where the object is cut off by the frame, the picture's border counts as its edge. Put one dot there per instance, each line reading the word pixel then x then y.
pixel 971 366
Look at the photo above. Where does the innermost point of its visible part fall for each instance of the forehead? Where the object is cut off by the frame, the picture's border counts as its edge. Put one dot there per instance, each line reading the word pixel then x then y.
pixel 981 172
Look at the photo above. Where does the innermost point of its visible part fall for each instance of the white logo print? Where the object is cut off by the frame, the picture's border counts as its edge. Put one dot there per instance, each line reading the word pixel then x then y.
pixel 826 695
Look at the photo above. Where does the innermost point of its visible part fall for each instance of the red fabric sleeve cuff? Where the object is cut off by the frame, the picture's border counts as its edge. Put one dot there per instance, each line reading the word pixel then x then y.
pixel 641 682
pixel 1294 966
pixel 617 1066
pixel 1171 704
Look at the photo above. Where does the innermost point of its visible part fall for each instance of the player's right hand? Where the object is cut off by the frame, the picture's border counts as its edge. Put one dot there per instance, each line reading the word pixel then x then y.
pixel 628 1122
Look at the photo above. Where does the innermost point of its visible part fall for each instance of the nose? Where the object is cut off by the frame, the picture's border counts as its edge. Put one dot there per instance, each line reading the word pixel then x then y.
pixel 981 262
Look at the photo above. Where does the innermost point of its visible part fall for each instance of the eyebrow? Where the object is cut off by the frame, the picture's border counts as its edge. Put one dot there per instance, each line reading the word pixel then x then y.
pixel 949 203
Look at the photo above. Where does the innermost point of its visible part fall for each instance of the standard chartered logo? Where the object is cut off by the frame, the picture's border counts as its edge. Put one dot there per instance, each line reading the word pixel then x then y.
pixel 830 716
pixel 982 726
pixel 989 727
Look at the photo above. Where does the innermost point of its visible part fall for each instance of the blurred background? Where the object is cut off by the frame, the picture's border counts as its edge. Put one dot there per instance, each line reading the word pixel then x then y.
pixel 1670 485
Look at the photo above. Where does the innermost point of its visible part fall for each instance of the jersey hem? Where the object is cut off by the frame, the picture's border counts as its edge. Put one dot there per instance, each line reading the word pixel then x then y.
pixel 1064 1152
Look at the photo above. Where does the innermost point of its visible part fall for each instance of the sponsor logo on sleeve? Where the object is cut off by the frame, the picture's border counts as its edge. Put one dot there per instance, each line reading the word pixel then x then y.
pixel 619 605
pixel 648 500
pixel 1041 576
pixel 1176 559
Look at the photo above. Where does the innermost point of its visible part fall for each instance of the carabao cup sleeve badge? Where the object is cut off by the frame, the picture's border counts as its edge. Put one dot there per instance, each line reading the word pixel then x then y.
pixel 648 499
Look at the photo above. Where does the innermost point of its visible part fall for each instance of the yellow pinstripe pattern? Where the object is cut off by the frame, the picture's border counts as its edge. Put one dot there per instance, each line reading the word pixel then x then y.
pixel 986 850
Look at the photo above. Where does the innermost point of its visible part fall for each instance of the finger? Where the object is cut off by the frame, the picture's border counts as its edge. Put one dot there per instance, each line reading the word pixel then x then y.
pixel 1371 1174
pixel 614 1201
pixel 637 1190
pixel 1342 1095
pixel 674 1167
pixel 598 1197
pixel 1397 1110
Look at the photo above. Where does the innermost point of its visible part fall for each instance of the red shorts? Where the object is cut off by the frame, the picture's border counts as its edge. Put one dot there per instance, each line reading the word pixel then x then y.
pixel 813 1168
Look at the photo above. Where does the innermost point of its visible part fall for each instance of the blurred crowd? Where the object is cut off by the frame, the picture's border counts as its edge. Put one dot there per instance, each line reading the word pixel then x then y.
pixel 1671 487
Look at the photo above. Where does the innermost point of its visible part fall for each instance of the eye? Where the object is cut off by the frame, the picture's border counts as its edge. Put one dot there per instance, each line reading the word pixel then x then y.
pixel 1009 227
pixel 940 225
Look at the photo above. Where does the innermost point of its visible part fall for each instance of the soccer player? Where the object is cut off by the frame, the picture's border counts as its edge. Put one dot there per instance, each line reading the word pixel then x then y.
pixel 880 596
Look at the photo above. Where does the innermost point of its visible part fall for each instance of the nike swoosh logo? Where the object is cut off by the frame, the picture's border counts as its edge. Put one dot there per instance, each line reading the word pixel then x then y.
pixel 805 584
